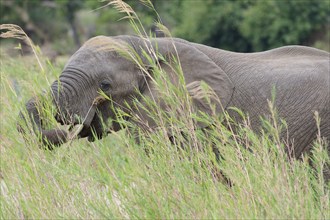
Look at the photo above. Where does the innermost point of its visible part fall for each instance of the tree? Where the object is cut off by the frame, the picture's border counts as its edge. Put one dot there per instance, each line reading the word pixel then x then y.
pixel 249 25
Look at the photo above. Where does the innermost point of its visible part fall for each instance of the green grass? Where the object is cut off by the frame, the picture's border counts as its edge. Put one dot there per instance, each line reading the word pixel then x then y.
pixel 116 177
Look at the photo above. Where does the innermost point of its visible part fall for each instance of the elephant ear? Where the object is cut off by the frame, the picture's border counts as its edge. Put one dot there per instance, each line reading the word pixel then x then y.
pixel 208 85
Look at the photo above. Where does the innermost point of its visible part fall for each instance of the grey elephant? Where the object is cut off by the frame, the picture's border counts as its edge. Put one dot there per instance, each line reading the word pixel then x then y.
pixel 300 76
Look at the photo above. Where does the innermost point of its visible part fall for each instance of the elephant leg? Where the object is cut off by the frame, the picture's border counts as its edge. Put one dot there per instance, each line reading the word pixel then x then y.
pixel 213 166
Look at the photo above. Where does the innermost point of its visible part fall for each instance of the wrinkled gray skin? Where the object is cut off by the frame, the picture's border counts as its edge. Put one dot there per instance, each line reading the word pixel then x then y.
pixel 300 76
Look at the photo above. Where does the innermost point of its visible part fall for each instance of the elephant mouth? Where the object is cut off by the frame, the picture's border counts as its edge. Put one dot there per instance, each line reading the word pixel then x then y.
pixel 94 130
pixel 79 126
pixel 84 130
pixel 90 125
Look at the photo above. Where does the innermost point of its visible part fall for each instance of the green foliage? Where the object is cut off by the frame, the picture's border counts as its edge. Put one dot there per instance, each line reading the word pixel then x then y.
pixel 250 25
pixel 242 25
pixel 36 17
pixel 213 23
pixel 272 24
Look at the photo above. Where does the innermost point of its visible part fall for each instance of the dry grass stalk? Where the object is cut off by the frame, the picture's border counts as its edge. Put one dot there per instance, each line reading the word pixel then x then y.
pixel 15 31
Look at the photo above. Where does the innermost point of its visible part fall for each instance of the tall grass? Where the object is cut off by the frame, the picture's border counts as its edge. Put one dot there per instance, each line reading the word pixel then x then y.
pixel 118 177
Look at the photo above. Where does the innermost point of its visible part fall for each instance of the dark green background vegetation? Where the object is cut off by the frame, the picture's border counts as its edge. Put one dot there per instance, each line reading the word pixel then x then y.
pixel 242 25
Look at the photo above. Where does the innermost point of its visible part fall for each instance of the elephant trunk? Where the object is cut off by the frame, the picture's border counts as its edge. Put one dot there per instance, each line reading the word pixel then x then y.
pixel 68 112
pixel 48 137
pixel 70 109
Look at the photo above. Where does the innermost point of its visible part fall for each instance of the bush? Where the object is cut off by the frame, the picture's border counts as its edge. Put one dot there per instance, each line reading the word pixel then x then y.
pixel 250 25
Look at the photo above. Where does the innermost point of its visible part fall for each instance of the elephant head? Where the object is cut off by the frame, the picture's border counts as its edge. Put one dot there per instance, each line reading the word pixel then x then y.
pixel 117 68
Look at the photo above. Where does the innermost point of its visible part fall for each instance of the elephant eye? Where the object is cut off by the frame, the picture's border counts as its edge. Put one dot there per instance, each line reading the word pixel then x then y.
pixel 105 85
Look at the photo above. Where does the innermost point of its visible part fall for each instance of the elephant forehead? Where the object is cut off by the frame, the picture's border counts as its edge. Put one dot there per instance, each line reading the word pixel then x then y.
pixel 99 40
pixel 96 40
pixel 106 44
pixel 96 64
pixel 89 56
pixel 83 59
pixel 85 55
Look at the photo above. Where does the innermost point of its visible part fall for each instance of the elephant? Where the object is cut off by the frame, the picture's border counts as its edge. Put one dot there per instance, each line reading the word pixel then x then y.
pixel 299 75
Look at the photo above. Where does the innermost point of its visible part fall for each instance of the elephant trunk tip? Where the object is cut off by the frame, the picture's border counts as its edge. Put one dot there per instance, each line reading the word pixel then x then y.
pixel 54 137
pixel 49 138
